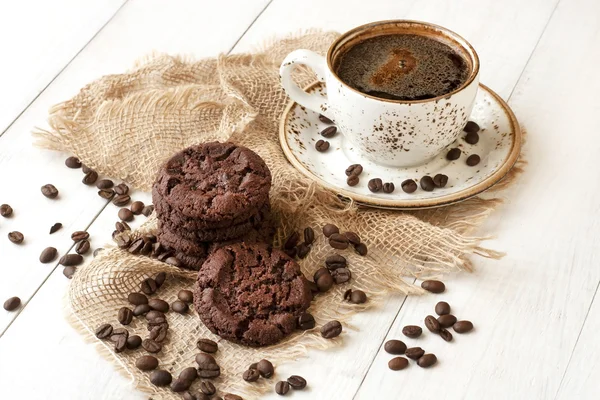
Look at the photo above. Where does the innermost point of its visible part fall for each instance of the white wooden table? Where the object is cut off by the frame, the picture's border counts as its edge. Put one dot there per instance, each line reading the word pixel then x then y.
pixel 536 312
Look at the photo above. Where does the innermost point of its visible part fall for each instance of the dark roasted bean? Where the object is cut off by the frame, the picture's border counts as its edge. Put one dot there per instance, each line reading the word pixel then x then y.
pixel 55 227
pixel 446 335
pixel 265 367
pixel 90 178
pixel 6 210
pixel 394 346
pixel 388 187
pixel 409 186
pixel 207 345
pixel 180 385
pixel 48 255
pixel 155 315
pixel 323 279
pixel 375 185
pixel 302 250
pixel 146 363
pixel 309 235
pixel 324 119
pixel 148 286
pixel 149 209
pixel 186 296
pixel 338 241
pixel 180 307
pixel 306 321
pixel 104 184
pixel 440 180
pixel 352 180
pixel 207 388
pixel 291 241
pixel 453 154
pixel 125 214
pixel 427 360
pixel 473 160
pixel 118 332
pixel 432 324
pixel 104 331
pixel 358 297
pixel 397 363
pixel 471 126
pixel 329 229
pixel 251 375
pixel 322 145
pixel 151 346
pixel 106 193
pixel 329 132
pixel 463 326
pixel 414 353
pixel 123 241
pixel 209 371
pixel 137 298
pixel 297 382
pixel 158 305
pixel 412 331
pixel 125 316
pixel 282 387
pixel 446 321
pixel 205 359
pixel 133 342
pixel 433 286
pixel 121 200
pixel 141 309
pixel 352 237
pixel 188 374
pixel 160 278
pixel 160 377
pixel 70 260
pixel 49 191
pixel 427 183
pixel 120 343
pixel 73 162
pixel 16 237
pixel 472 138
pixel 82 247
pixel 137 207
pixel 121 188
pixel 331 329
pixel 79 235
pixel 354 169
pixel 335 261
pixel 12 303
pixel 122 226
pixel 341 275
pixel 361 249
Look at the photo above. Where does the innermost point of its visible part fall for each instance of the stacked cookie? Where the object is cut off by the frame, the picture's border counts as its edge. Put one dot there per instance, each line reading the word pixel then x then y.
pixel 211 195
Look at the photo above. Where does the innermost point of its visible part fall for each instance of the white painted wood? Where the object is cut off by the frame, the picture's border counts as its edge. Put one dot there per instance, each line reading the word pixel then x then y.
pixel 529 308
pixel 141 26
pixel 37 40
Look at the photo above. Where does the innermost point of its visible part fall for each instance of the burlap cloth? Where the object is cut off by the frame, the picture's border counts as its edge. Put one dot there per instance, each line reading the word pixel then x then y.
pixel 125 125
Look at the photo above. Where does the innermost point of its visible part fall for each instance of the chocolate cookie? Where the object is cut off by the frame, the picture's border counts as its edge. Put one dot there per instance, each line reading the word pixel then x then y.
pixel 251 294
pixel 216 184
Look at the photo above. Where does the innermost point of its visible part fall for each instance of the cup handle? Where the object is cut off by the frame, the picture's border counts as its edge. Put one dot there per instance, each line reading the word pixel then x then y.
pixel 318 64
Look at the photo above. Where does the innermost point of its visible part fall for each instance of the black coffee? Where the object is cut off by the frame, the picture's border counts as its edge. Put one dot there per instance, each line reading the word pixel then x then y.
pixel 402 67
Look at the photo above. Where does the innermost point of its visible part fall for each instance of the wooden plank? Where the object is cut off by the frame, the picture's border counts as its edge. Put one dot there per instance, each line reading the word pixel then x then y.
pixel 39 38
pixel 529 308
pixel 141 26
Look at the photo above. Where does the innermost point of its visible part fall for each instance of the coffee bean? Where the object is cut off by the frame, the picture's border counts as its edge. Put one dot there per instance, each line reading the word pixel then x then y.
pixel 6 210
pixel 341 275
pixel 442 308
pixel 335 261
pixel 446 335
pixel 207 345
pixel 85 169
pixel 394 346
pixel 90 178
pixel 352 180
pixel 375 185
pixel 453 154
pixel 151 346
pixel 125 316
pixel 79 235
pixel 205 359
pixel 133 342
pixel 302 250
pixel 291 252
pixel 331 329
pixel 323 279
pixel 361 249
pixel 414 353
pixel 147 249
pixel 338 241
pixel 473 160
pixel 207 388
pixel 309 235
pixel 463 326
pixel 209 371
pixel 120 343
pixel 104 184
pixel 146 363
pixel 305 321
pixel 432 324
pixel 16 237
pixel 358 297
pixel 282 387
pixel 49 191
pixel 12 304
pixel 427 183
pixel 125 214
pixel 147 210
pixel 137 246
pixel 352 237
pixel 291 241
pixel 82 247
pixel 121 188
pixel 324 119
pixel 440 180
pixel 160 377
pixel 106 193
pixel 329 132
pixel 409 186
pixel 433 286
pixel 265 367
pixel 148 286
pixel 123 241
pixel 230 396
pixel 158 305
pixel 137 298
pixel 296 382
pixel 48 255
pixel 471 127
pixel 314 289
pixel 121 226
pixel 180 385
pixel 159 332
pixel 55 227
pixel 104 331
pixel 156 250
pixel 69 272
pixel 354 169
pixel 118 332
pixel 121 200
pixel 427 360
pixel 412 331
pixel 186 296
pixel 397 363
pixel 137 207
pixel 446 321
pixel 251 375
pixel 322 145
pixel 330 229
pixel 472 138
pixel 188 374
pixel 69 260
pixel 180 307
pixel 141 309
pixel 154 315
pixel 73 162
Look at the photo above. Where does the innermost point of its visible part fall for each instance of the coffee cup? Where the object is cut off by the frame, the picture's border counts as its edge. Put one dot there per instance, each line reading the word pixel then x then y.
pixel 385 128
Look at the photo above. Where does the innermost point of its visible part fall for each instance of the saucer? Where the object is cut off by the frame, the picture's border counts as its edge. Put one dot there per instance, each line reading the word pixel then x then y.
pixel 499 146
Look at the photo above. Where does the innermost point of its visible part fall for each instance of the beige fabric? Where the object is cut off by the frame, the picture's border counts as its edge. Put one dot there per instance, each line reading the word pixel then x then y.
pixel 126 125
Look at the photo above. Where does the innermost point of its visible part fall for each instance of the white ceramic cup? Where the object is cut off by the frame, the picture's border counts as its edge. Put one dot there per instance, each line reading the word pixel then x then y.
pixel 374 125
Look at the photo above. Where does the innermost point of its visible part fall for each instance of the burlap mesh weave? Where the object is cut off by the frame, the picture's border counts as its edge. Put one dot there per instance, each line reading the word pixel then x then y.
pixel 124 126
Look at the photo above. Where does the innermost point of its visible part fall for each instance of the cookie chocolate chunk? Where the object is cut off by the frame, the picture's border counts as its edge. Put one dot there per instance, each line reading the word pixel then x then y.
pixel 251 294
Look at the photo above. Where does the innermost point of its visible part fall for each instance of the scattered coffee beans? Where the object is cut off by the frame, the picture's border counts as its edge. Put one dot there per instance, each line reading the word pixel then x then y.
pixel 375 185
pixel 90 178
pixel 137 298
pixel 125 214
pixel 394 347
pixel 427 360
pixel 306 321
pixel 440 180
pixel 309 235
pixel 207 345
pixel 69 260
pixel 69 272
pixel 121 188
pixel 146 363
pixel 432 324
pixel 414 353
pixel 48 255
pixel 265 367
pixel 446 321
pixel 433 286
pixel 352 180
pixel 352 237
pixel 388 187
pixel 472 138
pixel 12 304
pixel 180 307
pixel 361 249
pixel 341 275
pixel 205 359
pixel 397 363
pixel 324 119
pixel 330 229
pixel 282 387
pixel 335 261
pixel 209 371
pixel 118 332
pixel 302 250
pixel 49 191
pixel 188 374
pixel 357 296
pixel 106 193
pixel 329 132
pixel 463 326
pixel 55 227
pixel 148 210
pixel 180 385
pixel 354 169
pixel 158 305
pixel 104 331
pixel 121 200
pixel 133 342
pixel 141 309
pixel 16 237
pixel 412 331
pixel 338 241
pixel 137 207
pixel 446 335
pixel 251 375
pixel 453 154
pixel 323 279
pixel 120 343
pixel 148 286
pixel 208 388
pixel 331 329
pixel 471 127
pixel 73 162
pixel 6 210
pixel 104 184
pixel 427 183
pixel 322 145
pixel 125 316
pixel 473 160
pixel 160 377
pixel 82 247
pixel 79 235
pixel 151 346
pixel 409 186
pixel 442 308
pixel 296 382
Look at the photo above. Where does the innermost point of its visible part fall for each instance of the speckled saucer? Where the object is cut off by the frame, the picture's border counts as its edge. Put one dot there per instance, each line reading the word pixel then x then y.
pixel 499 146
